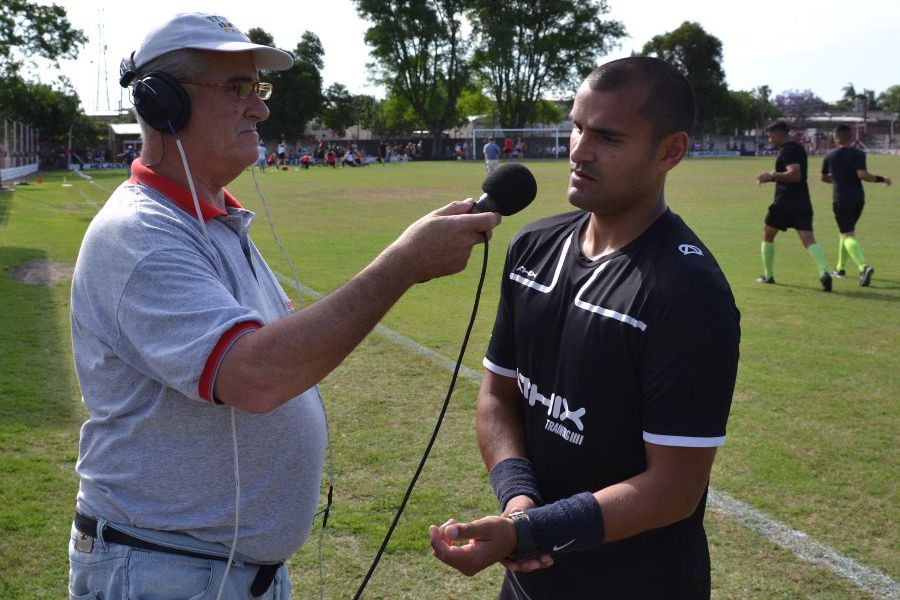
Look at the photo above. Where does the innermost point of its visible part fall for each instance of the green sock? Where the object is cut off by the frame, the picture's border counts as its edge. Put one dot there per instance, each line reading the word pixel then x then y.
pixel 842 254
pixel 818 256
pixel 855 252
pixel 768 256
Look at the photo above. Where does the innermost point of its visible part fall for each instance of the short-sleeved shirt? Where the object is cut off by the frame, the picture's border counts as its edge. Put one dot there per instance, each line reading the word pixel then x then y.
pixel 155 308
pixel 793 194
pixel 842 164
pixel 491 151
pixel 638 346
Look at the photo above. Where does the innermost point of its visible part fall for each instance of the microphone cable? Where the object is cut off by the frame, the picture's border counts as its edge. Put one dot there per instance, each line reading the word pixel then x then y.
pixel 437 427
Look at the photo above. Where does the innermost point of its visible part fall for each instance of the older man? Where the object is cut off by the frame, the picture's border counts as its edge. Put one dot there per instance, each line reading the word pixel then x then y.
pixel 177 321
pixel 609 374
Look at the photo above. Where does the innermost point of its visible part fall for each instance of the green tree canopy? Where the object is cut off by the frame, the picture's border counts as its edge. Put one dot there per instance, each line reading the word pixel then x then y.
pixel 339 110
pixel 525 49
pixel 474 103
pixel 420 56
pixel 698 56
pixel 890 99
pixel 297 96
pixel 53 109
pixel 29 30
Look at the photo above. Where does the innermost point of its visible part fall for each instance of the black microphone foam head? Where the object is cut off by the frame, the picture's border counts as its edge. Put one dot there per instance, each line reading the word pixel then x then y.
pixel 511 187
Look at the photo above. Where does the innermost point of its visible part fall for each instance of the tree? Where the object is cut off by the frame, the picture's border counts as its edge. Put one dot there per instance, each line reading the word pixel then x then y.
pixel 400 118
pixel 420 56
pixel 260 36
pixel 31 30
pixel 889 99
pixel 742 113
pixel 338 113
pixel 698 56
pixel 297 92
pixel 525 49
pixel 798 105
pixel 54 109
pixel 848 99
pixel 474 103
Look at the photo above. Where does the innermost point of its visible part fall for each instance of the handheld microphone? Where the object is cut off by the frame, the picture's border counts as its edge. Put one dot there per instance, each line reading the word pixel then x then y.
pixel 507 190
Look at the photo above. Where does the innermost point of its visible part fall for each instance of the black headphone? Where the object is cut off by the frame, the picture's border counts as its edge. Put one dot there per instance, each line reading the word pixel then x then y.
pixel 160 100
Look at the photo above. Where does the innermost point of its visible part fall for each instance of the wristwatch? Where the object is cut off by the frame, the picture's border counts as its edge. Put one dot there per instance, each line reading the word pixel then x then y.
pixel 525 546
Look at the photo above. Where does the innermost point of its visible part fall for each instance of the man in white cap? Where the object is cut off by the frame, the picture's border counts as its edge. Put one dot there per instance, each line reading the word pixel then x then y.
pixel 176 317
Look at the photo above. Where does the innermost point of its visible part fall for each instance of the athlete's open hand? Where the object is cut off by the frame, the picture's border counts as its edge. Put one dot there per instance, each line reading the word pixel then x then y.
pixel 486 541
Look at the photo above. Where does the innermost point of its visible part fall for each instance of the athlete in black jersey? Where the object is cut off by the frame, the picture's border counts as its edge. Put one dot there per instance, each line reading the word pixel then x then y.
pixel 609 375
pixel 792 206
pixel 845 167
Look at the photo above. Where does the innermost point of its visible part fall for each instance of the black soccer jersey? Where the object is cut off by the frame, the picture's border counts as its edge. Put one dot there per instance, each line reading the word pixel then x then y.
pixel 795 194
pixel 638 346
pixel 842 164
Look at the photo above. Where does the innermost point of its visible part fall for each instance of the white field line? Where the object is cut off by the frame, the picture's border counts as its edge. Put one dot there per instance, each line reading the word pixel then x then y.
pixel 868 579
pixel 89 200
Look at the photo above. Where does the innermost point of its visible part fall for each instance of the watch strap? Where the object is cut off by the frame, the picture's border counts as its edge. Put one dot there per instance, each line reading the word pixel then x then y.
pixel 526 548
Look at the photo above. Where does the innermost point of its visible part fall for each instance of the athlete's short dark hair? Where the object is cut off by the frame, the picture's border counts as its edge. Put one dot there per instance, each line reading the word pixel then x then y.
pixel 779 125
pixel 670 105
pixel 842 132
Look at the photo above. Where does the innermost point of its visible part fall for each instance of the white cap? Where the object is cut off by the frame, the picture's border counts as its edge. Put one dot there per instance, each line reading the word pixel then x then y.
pixel 207 32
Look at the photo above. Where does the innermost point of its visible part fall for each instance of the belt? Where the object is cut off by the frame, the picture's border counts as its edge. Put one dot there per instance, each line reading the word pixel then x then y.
pixel 88 526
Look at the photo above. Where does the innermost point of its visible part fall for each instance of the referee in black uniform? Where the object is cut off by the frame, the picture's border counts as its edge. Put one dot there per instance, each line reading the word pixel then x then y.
pixel 845 167
pixel 792 207
pixel 609 375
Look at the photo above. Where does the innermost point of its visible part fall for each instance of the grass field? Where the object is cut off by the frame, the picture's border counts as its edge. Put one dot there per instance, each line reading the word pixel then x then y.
pixel 812 436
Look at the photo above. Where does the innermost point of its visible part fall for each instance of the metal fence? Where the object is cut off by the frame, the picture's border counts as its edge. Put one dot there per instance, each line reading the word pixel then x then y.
pixel 18 149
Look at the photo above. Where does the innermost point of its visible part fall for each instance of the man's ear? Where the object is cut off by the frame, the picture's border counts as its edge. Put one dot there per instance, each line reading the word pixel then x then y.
pixel 672 149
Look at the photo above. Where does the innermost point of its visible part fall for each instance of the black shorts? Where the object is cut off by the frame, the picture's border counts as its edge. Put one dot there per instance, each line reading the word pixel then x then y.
pixel 847 214
pixel 789 217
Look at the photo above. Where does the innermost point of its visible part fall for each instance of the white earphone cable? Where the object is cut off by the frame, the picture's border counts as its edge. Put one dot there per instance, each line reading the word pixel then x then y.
pixel 234 447
pixel 330 462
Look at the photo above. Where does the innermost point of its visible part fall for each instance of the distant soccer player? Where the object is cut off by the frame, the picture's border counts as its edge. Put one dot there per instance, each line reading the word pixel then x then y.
pixel 792 206
pixel 845 167
pixel 491 155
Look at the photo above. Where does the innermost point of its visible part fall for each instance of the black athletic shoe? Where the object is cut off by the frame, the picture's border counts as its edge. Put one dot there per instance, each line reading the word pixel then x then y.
pixel 839 273
pixel 865 278
pixel 764 279
pixel 826 282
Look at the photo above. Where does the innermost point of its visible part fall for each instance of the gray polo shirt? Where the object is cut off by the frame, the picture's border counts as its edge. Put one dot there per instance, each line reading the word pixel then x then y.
pixel 154 311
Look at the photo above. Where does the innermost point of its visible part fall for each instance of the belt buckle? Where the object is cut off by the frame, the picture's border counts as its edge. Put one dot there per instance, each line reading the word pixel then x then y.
pixel 84 542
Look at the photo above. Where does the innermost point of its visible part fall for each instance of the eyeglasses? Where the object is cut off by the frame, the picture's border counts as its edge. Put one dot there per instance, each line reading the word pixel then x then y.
pixel 244 90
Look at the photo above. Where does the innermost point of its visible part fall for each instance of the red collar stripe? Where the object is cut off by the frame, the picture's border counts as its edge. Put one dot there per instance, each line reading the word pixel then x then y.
pixel 143 175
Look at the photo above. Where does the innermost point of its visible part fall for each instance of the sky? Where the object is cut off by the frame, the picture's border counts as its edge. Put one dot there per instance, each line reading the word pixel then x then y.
pixel 801 44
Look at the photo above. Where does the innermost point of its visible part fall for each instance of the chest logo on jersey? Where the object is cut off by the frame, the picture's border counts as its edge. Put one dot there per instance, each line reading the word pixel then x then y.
pixel 558 411
pixel 526 272
pixel 690 249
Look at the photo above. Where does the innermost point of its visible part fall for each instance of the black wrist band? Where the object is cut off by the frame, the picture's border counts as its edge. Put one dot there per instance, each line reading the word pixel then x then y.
pixel 879 179
pixel 515 477
pixel 572 524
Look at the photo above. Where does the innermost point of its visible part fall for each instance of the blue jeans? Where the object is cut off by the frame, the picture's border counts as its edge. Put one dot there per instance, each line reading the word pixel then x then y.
pixel 100 570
